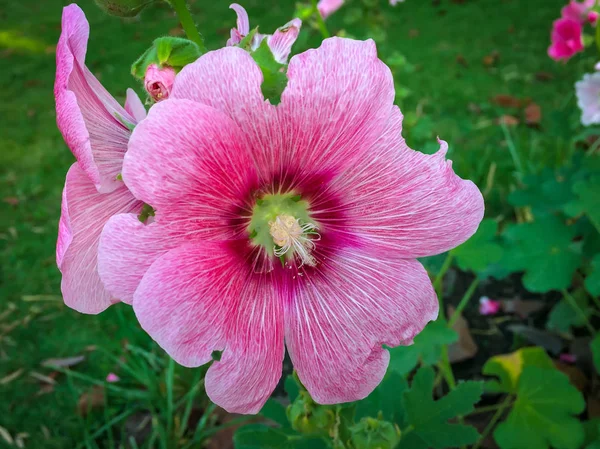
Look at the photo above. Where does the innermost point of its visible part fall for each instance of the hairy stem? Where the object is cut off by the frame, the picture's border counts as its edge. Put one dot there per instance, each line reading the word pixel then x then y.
pixel 503 406
pixel 320 22
pixel 187 22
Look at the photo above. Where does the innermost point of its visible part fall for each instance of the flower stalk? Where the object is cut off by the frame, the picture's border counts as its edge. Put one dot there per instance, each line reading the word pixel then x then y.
pixel 187 22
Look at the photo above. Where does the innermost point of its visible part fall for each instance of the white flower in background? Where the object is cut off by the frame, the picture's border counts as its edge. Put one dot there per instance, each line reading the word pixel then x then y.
pixel 588 98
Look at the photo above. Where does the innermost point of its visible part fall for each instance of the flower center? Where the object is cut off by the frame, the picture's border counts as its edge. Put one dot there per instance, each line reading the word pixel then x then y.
pixel 282 226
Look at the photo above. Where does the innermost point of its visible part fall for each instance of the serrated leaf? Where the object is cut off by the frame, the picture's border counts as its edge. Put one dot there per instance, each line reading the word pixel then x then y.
pixel 275 411
pixel 428 419
pixel 592 280
pixel 274 80
pixel 480 251
pixel 427 347
pixel 588 201
pixel 509 367
pixel 542 415
pixel 563 316
pixel 543 250
pixel 386 398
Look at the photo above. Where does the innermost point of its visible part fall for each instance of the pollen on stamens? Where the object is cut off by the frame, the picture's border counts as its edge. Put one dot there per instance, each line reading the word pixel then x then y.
pixel 291 236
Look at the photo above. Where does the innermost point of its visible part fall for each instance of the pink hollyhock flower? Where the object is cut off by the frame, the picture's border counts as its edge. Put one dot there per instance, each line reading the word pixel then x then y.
pixel 489 306
pixel 280 42
pixel 328 7
pixel 298 223
pixel 588 98
pixel 580 11
pixel 567 39
pixel 112 378
pixel 96 129
pixel 159 81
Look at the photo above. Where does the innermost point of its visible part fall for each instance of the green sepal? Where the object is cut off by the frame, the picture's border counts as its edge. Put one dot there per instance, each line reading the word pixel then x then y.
pixel 274 79
pixel 168 51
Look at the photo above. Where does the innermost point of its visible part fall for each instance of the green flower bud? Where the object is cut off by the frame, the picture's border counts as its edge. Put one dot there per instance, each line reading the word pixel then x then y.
pixel 372 433
pixel 310 418
pixel 174 52
pixel 123 8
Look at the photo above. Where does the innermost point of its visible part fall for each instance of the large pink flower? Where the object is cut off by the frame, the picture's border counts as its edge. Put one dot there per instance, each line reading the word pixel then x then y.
pixel 298 223
pixel 280 42
pixel 567 39
pixel 96 130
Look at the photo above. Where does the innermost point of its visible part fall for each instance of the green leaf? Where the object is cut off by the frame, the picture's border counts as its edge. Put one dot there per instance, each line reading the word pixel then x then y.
pixel 545 193
pixel 542 415
pixel 385 399
pixel 563 316
pixel 427 347
pixel 543 250
pixel 428 419
pixel 588 201
pixel 595 347
pixel 592 281
pixel 509 367
pixel 274 80
pixel 169 51
pixel 259 436
pixel 291 387
pixel 275 411
pixel 480 251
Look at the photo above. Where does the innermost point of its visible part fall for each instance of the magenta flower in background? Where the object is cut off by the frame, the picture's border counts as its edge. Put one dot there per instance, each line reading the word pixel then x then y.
pixel 588 98
pixel 112 378
pixel 580 11
pixel 567 39
pixel 328 7
pixel 158 81
pixel 293 226
pixel 489 306
pixel 280 42
pixel 96 129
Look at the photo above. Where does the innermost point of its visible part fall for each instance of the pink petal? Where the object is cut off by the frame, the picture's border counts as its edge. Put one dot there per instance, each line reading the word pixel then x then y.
pixel 84 213
pixel 328 7
pixel 127 249
pixel 134 106
pixel 200 298
pixel 86 113
pixel 402 202
pixel 191 163
pixel 339 316
pixel 243 23
pixel 334 108
pixel 283 39
pixel 112 378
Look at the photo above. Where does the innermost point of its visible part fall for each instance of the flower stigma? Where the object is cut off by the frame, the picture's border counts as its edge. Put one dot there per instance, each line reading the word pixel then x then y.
pixel 282 226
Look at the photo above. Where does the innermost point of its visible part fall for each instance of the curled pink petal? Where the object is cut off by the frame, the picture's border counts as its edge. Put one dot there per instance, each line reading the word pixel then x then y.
pixel 84 213
pixel 489 306
pixel 89 118
pixel 281 42
pixel 567 39
pixel 243 23
pixel 328 7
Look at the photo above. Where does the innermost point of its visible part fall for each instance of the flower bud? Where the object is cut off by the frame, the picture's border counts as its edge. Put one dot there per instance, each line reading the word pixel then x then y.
pixel 310 418
pixel 158 82
pixel 173 52
pixel 372 433
pixel 123 8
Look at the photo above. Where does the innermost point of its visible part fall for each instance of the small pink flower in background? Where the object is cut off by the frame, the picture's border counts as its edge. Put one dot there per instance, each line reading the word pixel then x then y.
pixel 96 129
pixel 159 81
pixel 597 66
pixel 588 98
pixel 280 42
pixel 328 7
pixel 489 306
pixel 112 378
pixel 567 39
pixel 580 11
pixel 568 358
pixel 323 182
pixel 395 2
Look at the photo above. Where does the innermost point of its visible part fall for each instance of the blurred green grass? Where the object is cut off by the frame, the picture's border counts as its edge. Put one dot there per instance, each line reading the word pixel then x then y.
pixel 445 44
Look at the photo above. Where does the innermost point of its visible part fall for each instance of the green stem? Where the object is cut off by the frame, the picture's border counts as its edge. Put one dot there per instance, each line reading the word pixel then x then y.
pixel 490 408
pixel 446 368
pixel 512 149
pixel 187 22
pixel 169 381
pixel 463 302
pixel 573 303
pixel 506 403
pixel 320 22
pixel 439 280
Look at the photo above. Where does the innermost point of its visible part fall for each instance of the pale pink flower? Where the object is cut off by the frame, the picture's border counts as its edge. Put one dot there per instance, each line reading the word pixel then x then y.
pixel 489 306
pixel 567 39
pixel 328 7
pixel 280 42
pixel 333 272
pixel 588 98
pixel 96 129
pixel 158 81
pixel 597 66
pixel 112 378
pixel 580 11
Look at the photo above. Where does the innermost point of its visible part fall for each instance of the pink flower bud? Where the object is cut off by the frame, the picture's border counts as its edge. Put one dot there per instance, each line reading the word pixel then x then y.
pixel 592 17
pixel 112 378
pixel 489 306
pixel 159 82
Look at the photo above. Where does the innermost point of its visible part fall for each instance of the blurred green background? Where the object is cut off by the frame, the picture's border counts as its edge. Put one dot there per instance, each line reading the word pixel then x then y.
pixel 451 61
